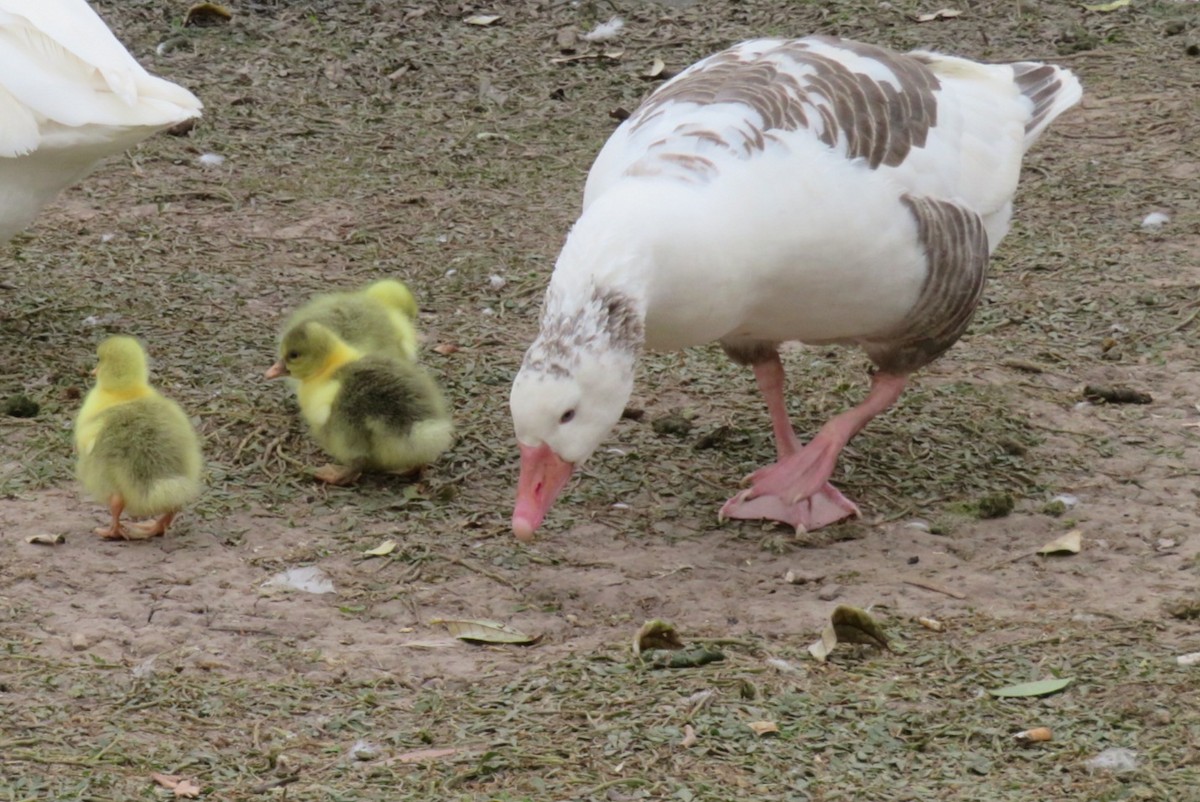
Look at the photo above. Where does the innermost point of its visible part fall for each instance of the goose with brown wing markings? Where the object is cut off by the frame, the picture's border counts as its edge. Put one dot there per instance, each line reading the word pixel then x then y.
pixel 815 190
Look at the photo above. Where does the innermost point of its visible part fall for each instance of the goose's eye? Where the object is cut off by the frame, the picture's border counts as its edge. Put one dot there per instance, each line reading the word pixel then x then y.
pixel 293 355
pixel 567 416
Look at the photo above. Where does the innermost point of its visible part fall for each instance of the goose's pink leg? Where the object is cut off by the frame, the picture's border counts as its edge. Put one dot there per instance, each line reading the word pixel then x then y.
pixel 796 490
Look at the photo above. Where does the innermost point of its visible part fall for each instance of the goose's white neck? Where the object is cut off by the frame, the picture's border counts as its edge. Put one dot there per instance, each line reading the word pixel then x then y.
pixel 605 249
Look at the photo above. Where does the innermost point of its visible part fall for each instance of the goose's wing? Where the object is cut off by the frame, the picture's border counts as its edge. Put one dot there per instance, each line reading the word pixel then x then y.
pixel 61 68
pixel 937 126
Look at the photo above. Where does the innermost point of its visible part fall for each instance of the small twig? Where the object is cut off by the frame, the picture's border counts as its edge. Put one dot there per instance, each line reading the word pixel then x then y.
pixel 1030 367
pixel 936 588
pixel 1181 324
pixel 1011 560
pixel 479 569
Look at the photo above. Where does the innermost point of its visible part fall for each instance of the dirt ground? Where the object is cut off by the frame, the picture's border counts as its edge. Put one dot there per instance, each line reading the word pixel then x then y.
pixel 364 139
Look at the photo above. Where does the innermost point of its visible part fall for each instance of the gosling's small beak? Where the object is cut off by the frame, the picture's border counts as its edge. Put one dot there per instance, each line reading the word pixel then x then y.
pixel 276 370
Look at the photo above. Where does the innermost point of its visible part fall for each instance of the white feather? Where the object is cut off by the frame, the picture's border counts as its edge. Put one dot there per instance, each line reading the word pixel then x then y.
pixel 70 95
pixel 605 31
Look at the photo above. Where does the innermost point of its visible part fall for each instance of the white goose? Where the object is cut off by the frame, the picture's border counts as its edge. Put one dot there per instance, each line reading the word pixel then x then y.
pixel 818 190
pixel 70 95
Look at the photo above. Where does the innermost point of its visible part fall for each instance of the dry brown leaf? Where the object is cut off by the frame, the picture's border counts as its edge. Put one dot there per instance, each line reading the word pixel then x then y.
pixel 821 649
pixel 445 349
pixel 655 69
pixel 763 727
pixel 482 19
pixel 203 14
pixel 186 790
pixel 181 787
pixel 1070 543
pixel 431 643
pixel 46 540
pixel 382 550
pixel 656 634
pixel 484 631
pixel 941 13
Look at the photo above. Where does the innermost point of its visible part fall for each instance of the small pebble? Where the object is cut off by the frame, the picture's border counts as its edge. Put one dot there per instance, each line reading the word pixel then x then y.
pixel 364 750
pixel 829 592
pixel 913 560
pixel 79 641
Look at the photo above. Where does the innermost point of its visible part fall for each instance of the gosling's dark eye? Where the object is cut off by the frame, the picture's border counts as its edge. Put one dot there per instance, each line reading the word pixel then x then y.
pixel 293 355
pixel 567 416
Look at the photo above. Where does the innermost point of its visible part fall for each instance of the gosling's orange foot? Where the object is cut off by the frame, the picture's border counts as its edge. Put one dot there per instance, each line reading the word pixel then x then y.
pixel 337 474
pixel 414 474
pixel 116 532
pixel 148 529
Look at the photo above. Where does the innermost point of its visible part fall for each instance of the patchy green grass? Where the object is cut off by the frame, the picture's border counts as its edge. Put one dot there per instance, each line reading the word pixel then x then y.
pixel 914 724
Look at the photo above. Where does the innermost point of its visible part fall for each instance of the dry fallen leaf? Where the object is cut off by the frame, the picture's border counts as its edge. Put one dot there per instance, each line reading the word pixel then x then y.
pixel 181 787
pixel 655 69
pixel 1042 687
pixel 203 14
pixel 1113 6
pixel 763 727
pixel 656 634
pixel 483 631
pixel 1070 543
pixel 821 649
pixel 382 550
pixel 432 643
pixel 853 625
pixel 46 540
pixel 689 736
pixel 445 349
pixel 482 19
pixel 943 13
pixel 931 623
